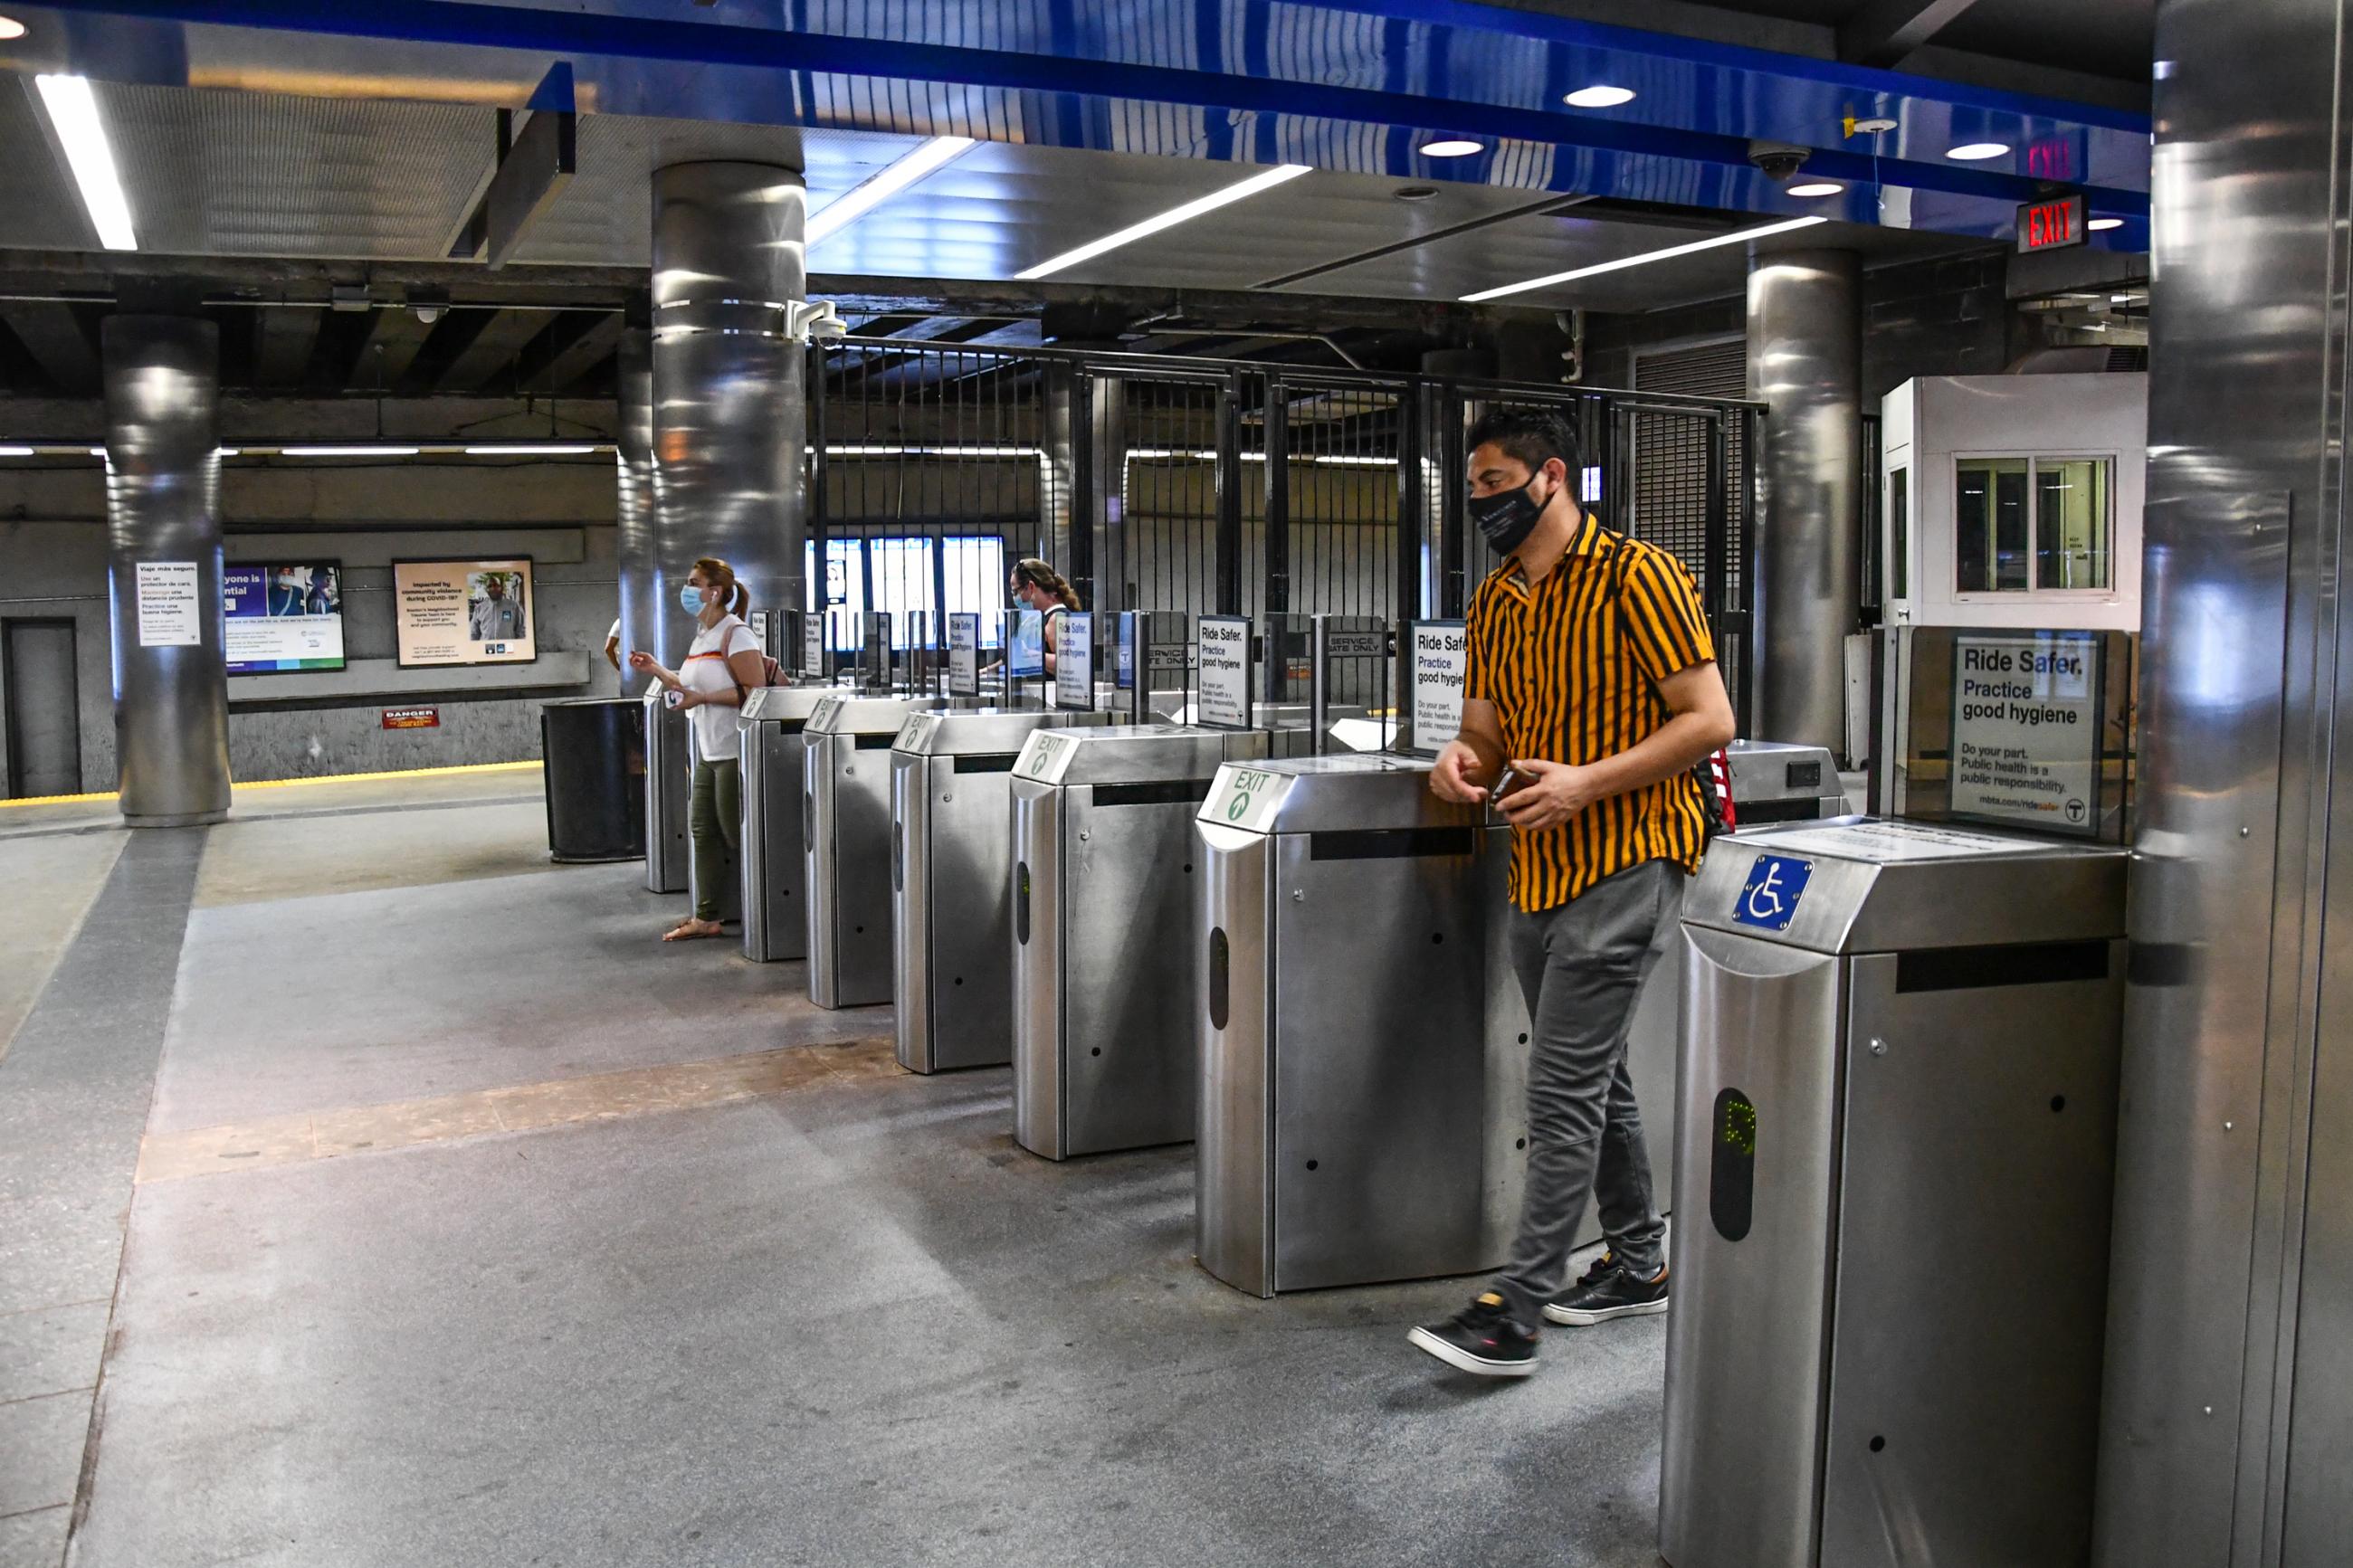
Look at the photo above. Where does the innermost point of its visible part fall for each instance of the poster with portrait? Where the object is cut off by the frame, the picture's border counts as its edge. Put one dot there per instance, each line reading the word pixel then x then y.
pixel 463 612
pixel 281 618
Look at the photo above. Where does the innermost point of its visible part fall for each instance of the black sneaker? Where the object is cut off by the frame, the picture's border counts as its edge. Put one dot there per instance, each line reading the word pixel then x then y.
pixel 1607 1291
pixel 1482 1340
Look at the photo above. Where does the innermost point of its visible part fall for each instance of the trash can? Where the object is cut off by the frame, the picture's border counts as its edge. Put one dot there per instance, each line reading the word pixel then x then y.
pixel 1360 1120
pixel 1896 1142
pixel 593 750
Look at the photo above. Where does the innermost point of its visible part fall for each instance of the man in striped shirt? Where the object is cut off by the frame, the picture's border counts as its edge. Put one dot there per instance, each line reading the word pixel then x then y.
pixel 1591 694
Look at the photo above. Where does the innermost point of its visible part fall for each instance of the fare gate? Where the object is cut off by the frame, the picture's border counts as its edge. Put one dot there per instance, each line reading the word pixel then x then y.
pixel 1107 961
pixel 846 814
pixel 1896 1141
pixel 1359 1120
pixel 669 781
pixel 775 848
pixel 950 871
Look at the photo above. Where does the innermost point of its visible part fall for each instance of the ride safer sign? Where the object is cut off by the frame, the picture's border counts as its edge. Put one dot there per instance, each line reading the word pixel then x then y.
pixel 2026 730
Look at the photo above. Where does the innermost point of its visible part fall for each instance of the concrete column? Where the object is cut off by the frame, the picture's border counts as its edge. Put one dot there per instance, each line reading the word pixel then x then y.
pixel 728 395
pixel 1805 359
pixel 163 568
pixel 640 607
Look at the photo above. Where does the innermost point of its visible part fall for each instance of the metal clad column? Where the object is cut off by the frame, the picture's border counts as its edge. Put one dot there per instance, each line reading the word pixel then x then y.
pixel 728 392
pixel 163 508
pixel 1805 359
pixel 640 586
pixel 2229 1378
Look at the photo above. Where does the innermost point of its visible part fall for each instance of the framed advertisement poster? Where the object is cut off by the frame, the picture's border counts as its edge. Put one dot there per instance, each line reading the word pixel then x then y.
pixel 464 612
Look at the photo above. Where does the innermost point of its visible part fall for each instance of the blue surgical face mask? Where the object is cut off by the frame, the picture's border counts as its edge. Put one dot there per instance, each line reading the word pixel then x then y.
pixel 690 598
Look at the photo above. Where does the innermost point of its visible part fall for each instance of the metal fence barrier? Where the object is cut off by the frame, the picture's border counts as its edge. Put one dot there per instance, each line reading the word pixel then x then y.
pixel 1225 486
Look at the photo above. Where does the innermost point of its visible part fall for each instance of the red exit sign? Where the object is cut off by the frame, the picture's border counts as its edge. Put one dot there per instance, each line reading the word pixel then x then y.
pixel 2053 225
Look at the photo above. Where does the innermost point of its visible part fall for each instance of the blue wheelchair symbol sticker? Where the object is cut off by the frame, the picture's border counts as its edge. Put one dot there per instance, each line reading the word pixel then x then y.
pixel 1775 883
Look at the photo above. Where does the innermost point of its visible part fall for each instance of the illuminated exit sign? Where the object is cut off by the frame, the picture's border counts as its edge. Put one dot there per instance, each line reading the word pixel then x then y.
pixel 2053 225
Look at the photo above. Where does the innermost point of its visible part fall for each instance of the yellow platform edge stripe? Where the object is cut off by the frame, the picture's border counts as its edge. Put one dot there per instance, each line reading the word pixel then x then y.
pixel 294 783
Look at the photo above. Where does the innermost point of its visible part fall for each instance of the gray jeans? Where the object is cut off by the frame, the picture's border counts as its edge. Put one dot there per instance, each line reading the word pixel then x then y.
pixel 1581 965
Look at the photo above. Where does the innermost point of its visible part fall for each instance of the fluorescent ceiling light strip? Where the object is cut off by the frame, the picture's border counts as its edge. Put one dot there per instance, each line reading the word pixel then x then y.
pixel 16 451
pixel 543 449
pixel 1240 190
pixel 873 451
pixel 1623 262
pixel 882 184
pixel 73 110
pixel 347 451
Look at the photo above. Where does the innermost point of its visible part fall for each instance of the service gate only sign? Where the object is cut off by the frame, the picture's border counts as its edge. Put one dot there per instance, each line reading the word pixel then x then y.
pixel 2026 730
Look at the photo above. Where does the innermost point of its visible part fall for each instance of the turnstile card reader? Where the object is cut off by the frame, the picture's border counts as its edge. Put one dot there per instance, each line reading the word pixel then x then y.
pixel 951 874
pixel 1783 781
pixel 1106 957
pixel 1896 1140
pixel 1359 1119
pixel 846 814
pixel 775 846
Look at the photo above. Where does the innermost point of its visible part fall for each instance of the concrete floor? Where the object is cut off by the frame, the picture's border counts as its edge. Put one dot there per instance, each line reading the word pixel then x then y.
pixel 372 1193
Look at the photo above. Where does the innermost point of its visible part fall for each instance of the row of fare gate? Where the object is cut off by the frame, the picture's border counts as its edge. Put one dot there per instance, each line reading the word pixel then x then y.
pixel 1890 1273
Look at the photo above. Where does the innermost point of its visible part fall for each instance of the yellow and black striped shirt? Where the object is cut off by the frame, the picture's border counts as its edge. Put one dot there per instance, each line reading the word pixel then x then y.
pixel 1575 679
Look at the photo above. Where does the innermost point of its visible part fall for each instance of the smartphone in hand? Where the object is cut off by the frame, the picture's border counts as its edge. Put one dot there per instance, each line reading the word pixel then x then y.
pixel 1505 781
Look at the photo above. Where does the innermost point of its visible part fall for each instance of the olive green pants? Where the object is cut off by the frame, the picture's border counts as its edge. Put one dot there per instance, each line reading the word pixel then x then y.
pixel 714 814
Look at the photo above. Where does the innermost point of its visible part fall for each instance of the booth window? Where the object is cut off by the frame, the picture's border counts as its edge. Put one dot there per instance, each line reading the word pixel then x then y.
pixel 2031 525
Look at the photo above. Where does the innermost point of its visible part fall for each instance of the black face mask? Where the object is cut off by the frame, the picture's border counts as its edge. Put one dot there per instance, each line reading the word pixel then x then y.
pixel 1508 517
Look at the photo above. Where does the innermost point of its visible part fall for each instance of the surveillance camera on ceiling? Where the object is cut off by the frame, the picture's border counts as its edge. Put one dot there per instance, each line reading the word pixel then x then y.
pixel 1779 160
pixel 816 320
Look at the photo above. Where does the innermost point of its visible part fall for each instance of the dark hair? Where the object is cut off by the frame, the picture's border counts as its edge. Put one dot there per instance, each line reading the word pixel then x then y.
pixel 1531 436
pixel 735 597
pixel 1038 574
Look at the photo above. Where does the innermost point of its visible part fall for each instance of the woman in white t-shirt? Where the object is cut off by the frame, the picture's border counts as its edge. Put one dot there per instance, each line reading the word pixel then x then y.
pixel 722 663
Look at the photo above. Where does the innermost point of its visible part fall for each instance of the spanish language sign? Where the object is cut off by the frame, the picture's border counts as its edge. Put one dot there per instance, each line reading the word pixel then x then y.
pixel 169 616
pixel 1441 658
pixel 2026 730
pixel 1222 667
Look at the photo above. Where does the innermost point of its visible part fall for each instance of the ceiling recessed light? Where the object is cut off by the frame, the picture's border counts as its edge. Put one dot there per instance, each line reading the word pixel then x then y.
pixel 1819 188
pixel 1457 147
pixel 2100 225
pixel 1876 125
pixel 1978 152
pixel 10 29
pixel 1599 97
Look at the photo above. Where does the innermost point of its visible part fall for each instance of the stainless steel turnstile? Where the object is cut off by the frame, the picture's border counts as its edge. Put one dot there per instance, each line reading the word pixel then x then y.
pixel 1106 956
pixel 1359 1121
pixel 951 871
pixel 775 847
pixel 1778 781
pixel 669 781
pixel 1897 1133
pixel 1784 781
pixel 846 812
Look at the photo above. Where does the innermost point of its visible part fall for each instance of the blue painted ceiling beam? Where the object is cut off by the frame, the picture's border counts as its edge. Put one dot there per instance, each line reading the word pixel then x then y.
pixel 1346 85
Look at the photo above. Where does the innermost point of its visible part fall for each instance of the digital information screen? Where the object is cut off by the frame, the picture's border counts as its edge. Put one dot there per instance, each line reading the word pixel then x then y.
pixel 463 612
pixel 280 619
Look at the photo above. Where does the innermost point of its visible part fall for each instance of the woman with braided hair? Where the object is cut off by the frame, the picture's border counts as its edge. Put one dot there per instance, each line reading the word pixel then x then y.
pixel 1037 587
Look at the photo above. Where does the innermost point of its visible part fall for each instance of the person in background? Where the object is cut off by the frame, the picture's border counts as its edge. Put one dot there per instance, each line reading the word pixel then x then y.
pixel 613 644
pixel 1590 694
pixel 1037 587
pixel 723 662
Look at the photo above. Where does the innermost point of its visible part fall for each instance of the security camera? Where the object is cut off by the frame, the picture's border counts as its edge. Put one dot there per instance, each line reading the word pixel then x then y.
pixel 1778 160
pixel 816 320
